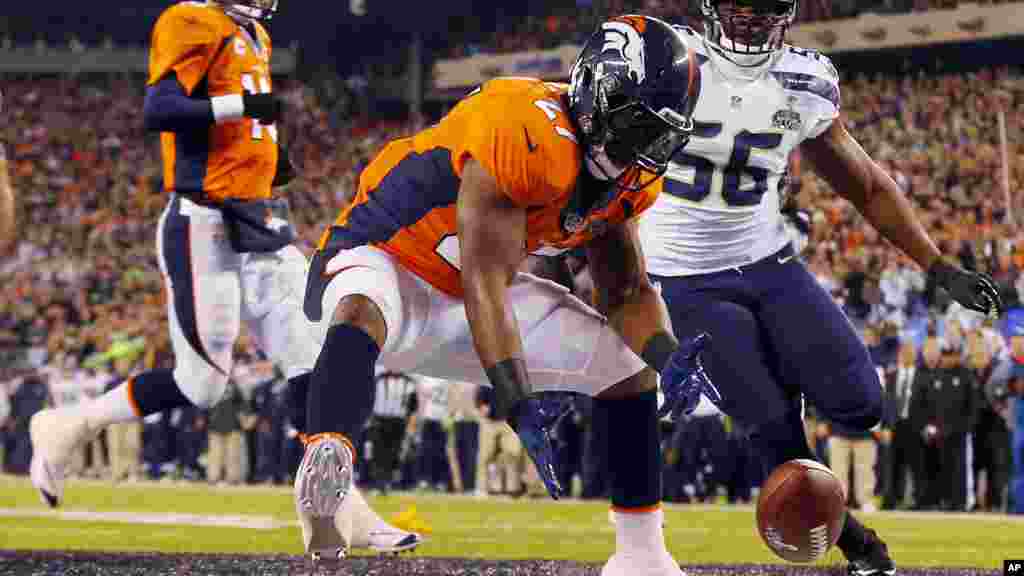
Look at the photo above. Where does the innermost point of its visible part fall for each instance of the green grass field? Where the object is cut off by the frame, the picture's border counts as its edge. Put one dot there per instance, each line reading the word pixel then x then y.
pixel 463 527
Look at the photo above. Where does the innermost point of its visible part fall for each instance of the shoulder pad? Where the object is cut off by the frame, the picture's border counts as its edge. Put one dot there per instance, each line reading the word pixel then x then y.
pixel 196 15
pixel 808 71
pixel 808 61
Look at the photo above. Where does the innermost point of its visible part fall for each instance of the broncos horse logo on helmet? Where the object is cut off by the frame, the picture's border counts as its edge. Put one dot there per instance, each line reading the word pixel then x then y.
pixel 748 27
pixel 258 10
pixel 632 93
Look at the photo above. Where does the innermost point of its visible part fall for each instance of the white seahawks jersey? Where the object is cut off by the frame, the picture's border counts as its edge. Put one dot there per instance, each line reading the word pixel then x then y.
pixel 719 208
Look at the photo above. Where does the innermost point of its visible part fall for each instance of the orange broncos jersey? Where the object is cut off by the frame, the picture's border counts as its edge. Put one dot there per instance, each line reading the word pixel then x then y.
pixel 213 56
pixel 518 130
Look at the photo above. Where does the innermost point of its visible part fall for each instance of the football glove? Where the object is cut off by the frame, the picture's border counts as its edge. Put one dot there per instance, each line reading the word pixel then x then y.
pixel 264 107
pixel 683 379
pixel 973 290
pixel 535 418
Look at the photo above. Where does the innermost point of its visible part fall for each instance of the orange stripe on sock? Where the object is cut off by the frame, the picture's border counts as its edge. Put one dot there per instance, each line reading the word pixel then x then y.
pixel 641 510
pixel 308 439
pixel 131 398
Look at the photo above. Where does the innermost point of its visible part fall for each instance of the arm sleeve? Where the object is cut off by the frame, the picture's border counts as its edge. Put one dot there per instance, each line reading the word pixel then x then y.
pixel 169 109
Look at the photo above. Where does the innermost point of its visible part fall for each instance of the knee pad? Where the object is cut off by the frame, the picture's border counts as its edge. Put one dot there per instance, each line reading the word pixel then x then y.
pixel 780 441
pixel 203 385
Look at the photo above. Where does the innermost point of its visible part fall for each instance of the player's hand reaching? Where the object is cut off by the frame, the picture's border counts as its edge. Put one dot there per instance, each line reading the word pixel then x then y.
pixel 534 420
pixel 973 290
pixel 683 379
pixel 265 107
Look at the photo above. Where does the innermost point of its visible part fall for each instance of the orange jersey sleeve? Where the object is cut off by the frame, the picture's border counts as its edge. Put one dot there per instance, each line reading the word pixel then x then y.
pixel 186 39
pixel 524 140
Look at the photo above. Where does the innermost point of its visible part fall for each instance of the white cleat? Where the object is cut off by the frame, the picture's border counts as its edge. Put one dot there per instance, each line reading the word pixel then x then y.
pixel 55 434
pixel 370 531
pixel 642 563
pixel 391 541
pixel 323 480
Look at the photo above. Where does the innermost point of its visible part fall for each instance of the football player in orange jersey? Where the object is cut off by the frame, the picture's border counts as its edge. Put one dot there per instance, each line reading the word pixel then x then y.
pixel 224 245
pixel 419 274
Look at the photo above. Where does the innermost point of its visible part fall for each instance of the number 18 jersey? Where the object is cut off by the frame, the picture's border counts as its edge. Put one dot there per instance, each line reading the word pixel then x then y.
pixel 719 206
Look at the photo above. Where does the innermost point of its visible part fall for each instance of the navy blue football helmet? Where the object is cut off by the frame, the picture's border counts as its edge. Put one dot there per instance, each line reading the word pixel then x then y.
pixel 748 27
pixel 632 93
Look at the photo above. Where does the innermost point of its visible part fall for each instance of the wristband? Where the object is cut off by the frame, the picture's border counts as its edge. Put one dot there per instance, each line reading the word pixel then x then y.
pixel 658 349
pixel 227 108
pixel 511 385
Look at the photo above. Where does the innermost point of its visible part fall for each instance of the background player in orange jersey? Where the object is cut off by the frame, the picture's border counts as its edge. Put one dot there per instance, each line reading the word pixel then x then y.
pixel 224 244
pixel 419 274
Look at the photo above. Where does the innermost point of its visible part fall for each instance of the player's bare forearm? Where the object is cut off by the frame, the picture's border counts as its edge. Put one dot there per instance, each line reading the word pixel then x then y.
pixel 624 293
pixel 492 233
pixel 839 159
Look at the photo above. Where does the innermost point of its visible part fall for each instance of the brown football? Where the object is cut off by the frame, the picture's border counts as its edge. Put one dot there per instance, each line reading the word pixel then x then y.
pixel 800 510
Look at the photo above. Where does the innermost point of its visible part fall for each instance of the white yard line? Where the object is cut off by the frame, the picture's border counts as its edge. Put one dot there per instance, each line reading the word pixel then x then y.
pixel 218 521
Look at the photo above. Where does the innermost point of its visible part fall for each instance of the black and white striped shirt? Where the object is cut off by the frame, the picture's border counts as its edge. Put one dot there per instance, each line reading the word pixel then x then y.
pixel 393 391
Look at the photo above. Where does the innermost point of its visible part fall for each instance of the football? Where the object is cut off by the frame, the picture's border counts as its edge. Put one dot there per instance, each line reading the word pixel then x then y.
pixel 800 510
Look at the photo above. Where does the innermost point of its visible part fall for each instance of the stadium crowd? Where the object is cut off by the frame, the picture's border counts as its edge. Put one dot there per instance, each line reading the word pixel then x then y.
pixel 84 308
pixel 572 22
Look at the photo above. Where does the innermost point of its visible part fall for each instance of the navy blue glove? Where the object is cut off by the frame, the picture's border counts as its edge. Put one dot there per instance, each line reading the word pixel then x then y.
pixel 533 421
pixel 683 379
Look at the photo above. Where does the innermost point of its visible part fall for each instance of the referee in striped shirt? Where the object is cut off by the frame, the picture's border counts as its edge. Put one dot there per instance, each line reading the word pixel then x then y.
pixel 391 411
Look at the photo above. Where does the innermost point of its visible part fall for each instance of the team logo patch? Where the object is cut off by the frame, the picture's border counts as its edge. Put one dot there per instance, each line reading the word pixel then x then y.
pixel 787 120
pixel 623 38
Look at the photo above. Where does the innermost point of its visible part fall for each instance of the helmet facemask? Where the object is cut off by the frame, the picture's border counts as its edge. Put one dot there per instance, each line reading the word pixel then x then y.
pixel 632 136
pixel 255 10
pixel 748 27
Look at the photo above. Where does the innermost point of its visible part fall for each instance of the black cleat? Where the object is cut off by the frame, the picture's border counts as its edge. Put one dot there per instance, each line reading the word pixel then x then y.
pixel 873 558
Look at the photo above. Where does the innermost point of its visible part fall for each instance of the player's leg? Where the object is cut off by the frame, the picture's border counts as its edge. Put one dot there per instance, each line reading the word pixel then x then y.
pixel 369 304
pixel 201 276
pixel 569 347
pixel 273 288
pixel 828 363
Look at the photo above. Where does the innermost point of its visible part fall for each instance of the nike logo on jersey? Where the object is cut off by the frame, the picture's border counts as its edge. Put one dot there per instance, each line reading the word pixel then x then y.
pixel 529 144
pixel 784 259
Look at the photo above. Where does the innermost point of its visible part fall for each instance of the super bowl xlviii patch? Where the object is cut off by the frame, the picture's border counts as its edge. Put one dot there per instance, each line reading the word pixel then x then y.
pixel 787 120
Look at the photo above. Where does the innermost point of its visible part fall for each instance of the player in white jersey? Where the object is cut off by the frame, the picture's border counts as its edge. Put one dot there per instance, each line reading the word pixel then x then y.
pixel 717 244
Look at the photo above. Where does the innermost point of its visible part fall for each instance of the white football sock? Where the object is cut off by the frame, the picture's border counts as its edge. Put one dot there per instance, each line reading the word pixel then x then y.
pixel 639 531
pixel 112 407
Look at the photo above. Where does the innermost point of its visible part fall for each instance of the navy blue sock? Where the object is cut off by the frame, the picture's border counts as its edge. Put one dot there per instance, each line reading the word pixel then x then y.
pixel 342 387
pixel 634 450
pixel 155 391
pixel 298 393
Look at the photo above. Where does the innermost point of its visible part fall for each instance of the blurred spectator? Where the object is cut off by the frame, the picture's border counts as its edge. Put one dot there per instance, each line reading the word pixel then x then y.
pixel 945 404
pixel 500 451
pixel 391 411
pixel 432 459
pixel 991 437
pixel 124 440
pixel 224 459
pixel 904 447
